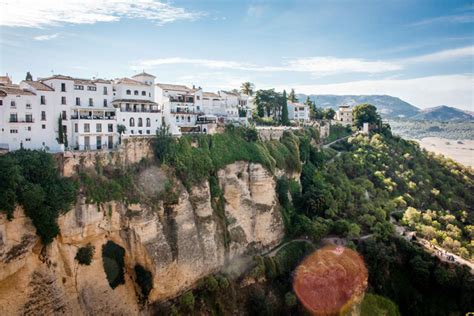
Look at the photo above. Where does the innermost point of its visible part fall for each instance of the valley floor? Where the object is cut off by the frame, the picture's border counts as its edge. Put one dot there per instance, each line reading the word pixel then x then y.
pixel 461 151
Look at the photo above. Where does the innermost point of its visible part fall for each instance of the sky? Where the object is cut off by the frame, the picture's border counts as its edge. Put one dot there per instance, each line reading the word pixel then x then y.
pixel 420 51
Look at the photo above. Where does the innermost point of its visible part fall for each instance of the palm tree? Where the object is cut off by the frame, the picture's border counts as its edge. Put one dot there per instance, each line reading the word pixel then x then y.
pixel 247 88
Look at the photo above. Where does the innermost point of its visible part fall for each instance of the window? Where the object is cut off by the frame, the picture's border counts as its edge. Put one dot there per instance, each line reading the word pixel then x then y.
pixel 63 100
pixel 91 102
pixel 148 131
pixel 140 122
pixel 129 92
pixel 135 92
pixel 64 116
pixel 144 93
pixel 13 131
pixel 28 128
pixel 78 101
pixel 98 128
pixel 148 122
pixel 140 131
pixel 63 87
pixel 28 106
pixel 78 87
pixel 12 104
pixel 198 97
pixel 43 126
pixel 177 118
pixel 28 139
pixel 76 128
pixel 92 88
pixel 132 131
pixel 13 118
pixel 105 90
pixel 43 115
pixel 189 119
pixel 132 122
pixel 111 128
pixel 105 103
pixel 87 128
pixel 1 102
pixel 43 99
pixel 29 118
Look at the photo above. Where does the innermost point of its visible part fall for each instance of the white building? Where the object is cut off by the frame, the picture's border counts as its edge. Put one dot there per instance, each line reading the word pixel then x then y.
pixel 181 107
pixel 344 115
pixel 134 100
pixel 298 112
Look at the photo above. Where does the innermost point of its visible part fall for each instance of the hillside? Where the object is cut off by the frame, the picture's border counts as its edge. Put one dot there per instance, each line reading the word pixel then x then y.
pixel 389 107
pixel 443 113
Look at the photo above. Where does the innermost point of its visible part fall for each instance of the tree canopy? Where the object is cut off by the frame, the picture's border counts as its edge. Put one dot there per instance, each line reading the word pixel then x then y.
pixel 365 113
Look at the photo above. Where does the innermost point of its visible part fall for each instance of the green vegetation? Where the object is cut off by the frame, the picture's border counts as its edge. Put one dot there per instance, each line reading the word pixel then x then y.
pixel 114 264
pixel 31 180
pixel 337 131
pixel 378 305
pixel 366 113
pixel 196 158
pixel 284 110
pixel 84 254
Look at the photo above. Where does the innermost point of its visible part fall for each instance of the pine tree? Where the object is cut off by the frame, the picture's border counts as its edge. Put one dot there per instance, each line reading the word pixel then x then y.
pixel 292 96
pixel 60 138
pixel 284 110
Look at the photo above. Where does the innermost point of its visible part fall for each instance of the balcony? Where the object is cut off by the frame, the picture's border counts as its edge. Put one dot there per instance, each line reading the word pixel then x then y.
pixel 15 120
pixel 140 110
pixel 185 111
pixel 93 117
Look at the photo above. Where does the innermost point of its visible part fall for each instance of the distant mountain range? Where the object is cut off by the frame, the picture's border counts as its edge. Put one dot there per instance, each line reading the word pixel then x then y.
pixel 390 107
pixel 443 113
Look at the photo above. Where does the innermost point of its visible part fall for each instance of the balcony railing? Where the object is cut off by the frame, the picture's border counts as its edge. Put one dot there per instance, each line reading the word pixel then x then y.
pixel 15 120
pixel 93 117
pixel 185 111
pixel 140 111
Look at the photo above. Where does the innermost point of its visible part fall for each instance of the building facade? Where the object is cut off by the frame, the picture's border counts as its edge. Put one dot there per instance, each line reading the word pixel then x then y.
pixel 298 112
pixel 344 115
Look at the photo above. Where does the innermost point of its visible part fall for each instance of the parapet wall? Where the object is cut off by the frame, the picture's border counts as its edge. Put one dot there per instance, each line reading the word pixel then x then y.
pixel 132 150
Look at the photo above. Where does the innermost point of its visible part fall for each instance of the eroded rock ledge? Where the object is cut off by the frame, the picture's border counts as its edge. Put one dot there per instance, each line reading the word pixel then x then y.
pixel 178 245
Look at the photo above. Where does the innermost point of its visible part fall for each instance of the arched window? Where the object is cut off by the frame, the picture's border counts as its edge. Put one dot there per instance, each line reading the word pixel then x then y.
pixel 129 92
pixel 189 118
pixel 144 93
pixel 148 122
pixel 135 92
pixel 140 122
pixel 132 122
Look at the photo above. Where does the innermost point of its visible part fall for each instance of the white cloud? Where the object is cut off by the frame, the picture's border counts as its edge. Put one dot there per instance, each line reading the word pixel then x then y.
pixel 319 65
pixel 443 55
pixel 452 90
pixel 330 65
pixel 46 37
pixel 36 14
pixel 452 19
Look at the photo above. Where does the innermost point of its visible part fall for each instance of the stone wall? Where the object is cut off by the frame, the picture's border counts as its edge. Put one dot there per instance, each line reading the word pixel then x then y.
pixel 132 150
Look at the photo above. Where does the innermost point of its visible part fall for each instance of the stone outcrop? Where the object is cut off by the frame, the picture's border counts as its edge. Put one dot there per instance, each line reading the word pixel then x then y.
pixel 178 244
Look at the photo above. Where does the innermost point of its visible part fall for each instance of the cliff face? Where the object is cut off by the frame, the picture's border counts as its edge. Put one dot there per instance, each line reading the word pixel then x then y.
pixel 177 243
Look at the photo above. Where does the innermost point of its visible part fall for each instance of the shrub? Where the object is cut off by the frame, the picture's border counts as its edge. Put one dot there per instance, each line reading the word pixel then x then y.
pixel 113 259
pixel 187 301
pixel 84 254
pixel 30 178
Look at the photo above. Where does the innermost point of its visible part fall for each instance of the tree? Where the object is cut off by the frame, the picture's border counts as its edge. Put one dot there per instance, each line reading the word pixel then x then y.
pixel 284 109
pixel 365 113
pixel 84 254
pixel 247 88
pixel 329 113
pixel 292 96
pixel 62 136
pixel 121 129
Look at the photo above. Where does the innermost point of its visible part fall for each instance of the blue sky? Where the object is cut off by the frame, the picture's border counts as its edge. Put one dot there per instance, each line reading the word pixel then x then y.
pixel 420 51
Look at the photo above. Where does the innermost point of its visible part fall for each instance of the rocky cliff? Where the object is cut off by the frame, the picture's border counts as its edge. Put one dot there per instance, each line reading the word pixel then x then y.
pixel 178 243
